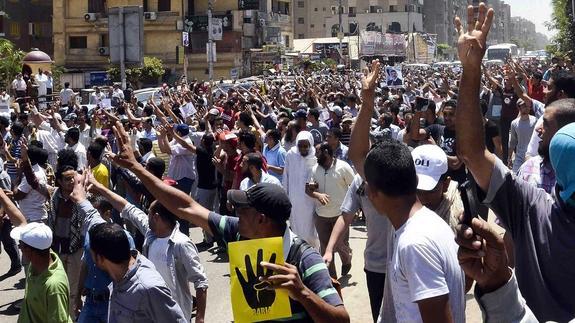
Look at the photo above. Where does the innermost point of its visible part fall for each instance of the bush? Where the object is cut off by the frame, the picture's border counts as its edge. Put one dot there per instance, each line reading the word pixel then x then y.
pixel 149 72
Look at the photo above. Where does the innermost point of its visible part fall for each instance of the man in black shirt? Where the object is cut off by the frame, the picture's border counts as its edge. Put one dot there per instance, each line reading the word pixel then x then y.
pixel 444 136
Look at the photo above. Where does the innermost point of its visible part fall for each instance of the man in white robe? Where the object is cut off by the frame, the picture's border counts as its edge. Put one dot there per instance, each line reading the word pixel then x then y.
pixel 299 163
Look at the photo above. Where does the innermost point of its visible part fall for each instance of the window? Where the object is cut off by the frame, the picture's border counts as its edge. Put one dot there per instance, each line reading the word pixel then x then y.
pixel 35 29
pixel 14 30
pixel 301 4
pixel 334 30
pixel 283 8
pixel 77 42
pixel 164 5
pixel 315 9
pixel 323 8
pixel 312 26
pixel 392 8
pixel 2 24
pixel 104 41
pixel 351 12
pixel 300 36
pixel 300 20
pixel 247 20
pixel 286 40
pixel 98 6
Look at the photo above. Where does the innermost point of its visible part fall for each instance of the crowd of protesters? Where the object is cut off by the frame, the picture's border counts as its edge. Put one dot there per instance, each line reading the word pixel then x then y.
pixel 98 201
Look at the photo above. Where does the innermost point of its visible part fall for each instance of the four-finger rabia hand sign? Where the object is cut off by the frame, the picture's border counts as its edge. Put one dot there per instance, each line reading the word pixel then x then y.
pixel 259 295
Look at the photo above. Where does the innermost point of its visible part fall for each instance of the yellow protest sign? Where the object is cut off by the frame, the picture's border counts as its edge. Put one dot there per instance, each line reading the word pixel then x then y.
pixel 252 300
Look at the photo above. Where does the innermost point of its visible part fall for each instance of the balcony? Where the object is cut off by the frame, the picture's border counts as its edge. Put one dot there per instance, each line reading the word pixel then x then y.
pixel 279 18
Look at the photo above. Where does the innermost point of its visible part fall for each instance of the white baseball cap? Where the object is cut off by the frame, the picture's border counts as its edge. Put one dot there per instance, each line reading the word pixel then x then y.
pixel 36 235
pixel 430 163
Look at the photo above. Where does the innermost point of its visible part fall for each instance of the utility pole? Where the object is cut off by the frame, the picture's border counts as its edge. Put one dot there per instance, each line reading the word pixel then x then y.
pixel 340 33
pixel 122 48
pixel 185 67
pixel 210 52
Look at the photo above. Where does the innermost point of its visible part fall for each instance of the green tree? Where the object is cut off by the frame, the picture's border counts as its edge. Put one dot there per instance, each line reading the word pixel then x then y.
pixel 11 62
pixel 562 20
pixel 149 72
pixel 442 50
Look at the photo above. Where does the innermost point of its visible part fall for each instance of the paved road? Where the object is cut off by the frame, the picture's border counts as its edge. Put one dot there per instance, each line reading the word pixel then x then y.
pixel 219 306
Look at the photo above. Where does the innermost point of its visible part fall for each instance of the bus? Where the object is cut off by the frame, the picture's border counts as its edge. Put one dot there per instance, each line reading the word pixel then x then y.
pixel 501 51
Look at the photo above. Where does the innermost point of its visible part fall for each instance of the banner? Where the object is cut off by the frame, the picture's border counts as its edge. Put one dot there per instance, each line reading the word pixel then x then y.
pixel 252 300
pixel 421 48
pixel 375 43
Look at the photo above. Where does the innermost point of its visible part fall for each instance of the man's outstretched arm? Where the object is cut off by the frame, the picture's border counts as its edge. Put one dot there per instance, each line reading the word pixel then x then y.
pixel 176 201
pixel 359 142
pixel 469 127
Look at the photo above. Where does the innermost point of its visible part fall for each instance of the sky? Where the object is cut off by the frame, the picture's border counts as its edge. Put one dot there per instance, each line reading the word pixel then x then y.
pixel 538 11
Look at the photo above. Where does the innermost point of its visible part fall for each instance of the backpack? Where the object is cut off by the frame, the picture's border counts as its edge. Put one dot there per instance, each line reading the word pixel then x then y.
pixel 294 257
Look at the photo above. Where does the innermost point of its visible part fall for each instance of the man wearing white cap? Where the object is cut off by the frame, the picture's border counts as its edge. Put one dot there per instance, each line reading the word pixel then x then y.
pixel 47 293
pixel 435 189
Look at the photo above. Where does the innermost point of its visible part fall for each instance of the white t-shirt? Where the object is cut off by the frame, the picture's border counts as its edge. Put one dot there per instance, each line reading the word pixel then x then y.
pixel 424 265
pixel 32 206
pixel 42 81
pixel 5 105
pixel 66 96
pixel 158 254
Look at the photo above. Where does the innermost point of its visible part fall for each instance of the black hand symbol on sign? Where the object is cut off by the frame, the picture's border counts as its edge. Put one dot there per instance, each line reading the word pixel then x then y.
pixel 257 294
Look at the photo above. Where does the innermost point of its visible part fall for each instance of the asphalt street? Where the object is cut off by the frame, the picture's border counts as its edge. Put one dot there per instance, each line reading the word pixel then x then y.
pixel 219 304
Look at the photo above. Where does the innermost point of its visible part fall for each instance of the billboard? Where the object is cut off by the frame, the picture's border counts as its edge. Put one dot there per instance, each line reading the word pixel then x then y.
pixel 375 43
pixel 330 50
pixel 129 35
pixel 421 48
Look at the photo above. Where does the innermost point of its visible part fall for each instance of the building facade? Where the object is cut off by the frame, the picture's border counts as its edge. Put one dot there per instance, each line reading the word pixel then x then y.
pixel 523 33
pixel 81 33
pixel 317 19
pixel 439 16
pixel 27 23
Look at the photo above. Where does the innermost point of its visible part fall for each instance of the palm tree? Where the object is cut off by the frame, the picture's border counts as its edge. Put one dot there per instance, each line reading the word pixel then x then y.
pixel 11 62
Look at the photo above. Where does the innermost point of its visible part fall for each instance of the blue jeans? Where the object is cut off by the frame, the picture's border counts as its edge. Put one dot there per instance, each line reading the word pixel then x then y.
pixel 185 185
pixel 94 312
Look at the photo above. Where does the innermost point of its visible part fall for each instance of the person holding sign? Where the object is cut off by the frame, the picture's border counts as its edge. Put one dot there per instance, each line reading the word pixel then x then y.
pixel 262 213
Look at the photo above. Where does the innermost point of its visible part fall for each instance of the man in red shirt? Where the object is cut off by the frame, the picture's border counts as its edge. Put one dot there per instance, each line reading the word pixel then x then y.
pixel 535 90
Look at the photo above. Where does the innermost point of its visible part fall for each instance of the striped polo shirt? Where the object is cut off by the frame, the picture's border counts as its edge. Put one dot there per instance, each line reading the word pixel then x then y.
pixel 311 268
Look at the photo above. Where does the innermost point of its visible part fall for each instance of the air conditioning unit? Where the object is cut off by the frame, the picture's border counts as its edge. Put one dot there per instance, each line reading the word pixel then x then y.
pixel 90 16
pixel 150 16
pixel 104 51
pixel 379 10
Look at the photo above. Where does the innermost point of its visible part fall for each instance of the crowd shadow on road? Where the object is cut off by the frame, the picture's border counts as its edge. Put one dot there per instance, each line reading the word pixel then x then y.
pixel 19 285
pixel 10 309
pixel 345 281
pixel 221 256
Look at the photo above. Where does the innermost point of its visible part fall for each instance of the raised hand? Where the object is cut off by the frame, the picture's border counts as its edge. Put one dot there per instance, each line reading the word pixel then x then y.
pixel 125 156
pixel 258 293
pixel 471 45
pixel 80 186
pixel 369 81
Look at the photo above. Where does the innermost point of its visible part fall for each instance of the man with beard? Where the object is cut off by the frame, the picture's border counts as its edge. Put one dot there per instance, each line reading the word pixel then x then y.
pixel 300 161
pixel 537 170
pixel 540 223
pixel 333 177
pixel 435 189
pixel 253 173
pixel 560 86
